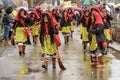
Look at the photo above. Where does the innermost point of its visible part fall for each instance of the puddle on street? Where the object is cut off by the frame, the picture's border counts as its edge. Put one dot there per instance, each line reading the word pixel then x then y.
pixel 93 73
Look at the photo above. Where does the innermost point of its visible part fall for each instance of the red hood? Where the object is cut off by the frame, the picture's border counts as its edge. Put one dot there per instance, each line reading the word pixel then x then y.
pixel 98 18
pixel 53 21
pixel 35 14
pixel 18 14
pixel 97 8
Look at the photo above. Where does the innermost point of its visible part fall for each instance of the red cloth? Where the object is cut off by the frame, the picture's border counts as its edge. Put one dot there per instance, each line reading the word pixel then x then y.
pixel 21 18
pixel 98 18
pixel 110 31
pixel 104 44
pixel 70 15
pixel 34 12
pixel 65 17
pixel 86 19
pixel 27 32
pixel 53 21
pixel 46 29
pixel 97 7
pixel 18 14
pixel 57 40
pixel 38 13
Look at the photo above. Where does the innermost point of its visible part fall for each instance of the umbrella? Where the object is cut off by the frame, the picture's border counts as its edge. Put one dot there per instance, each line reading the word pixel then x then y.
pixel 76 8
pixel 1 4
pixel 9 3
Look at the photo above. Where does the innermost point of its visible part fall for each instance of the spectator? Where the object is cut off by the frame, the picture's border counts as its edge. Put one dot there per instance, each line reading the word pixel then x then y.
pixel 6 23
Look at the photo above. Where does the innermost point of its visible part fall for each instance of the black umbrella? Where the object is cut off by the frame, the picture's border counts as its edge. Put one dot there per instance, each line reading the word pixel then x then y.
pixel 8 3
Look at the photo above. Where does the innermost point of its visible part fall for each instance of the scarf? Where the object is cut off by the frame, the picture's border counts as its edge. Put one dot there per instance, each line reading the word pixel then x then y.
pixel 86 20
pixel 71 16
pixel 65 17
pixel 46 29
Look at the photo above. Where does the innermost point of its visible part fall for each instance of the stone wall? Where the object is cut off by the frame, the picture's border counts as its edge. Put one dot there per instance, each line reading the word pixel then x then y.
pixel 116 34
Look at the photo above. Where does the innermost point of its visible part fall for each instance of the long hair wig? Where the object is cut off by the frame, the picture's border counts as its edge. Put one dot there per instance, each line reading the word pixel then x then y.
pixel 50 28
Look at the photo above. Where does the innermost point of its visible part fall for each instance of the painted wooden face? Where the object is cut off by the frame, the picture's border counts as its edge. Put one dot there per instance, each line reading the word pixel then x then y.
pixel 22 13
pixel 45 19
pixel 87 13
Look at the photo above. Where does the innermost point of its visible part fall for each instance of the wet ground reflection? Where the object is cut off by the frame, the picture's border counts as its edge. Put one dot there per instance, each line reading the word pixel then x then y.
pixel 77 68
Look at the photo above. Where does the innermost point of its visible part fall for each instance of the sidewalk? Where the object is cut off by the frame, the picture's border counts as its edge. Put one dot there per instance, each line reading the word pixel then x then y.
pixel 115 46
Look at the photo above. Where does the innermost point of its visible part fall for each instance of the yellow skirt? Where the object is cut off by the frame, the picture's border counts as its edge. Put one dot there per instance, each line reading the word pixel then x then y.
pixel 84 33
pixel 35 30
pixel 107 34
pixel 66 29
pixel 48 48
pixel 72 27
pixel 20 35
pixel 93 43
pixel 81 27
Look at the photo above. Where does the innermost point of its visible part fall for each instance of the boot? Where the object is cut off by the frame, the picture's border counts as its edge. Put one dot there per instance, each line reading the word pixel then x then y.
pixel 67 38
pixel 23 49
pixel 45 65
pixel 35 39
pixel 54 62
pixel 93 61
pixel 28 41
pixel 20 53
pixel 101 63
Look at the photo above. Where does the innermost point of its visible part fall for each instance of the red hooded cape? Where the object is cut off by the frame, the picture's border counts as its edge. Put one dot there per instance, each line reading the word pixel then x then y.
pixel 19 18
pixel 98 18
pixel 53 21
pixel 97 8
pixel 34 12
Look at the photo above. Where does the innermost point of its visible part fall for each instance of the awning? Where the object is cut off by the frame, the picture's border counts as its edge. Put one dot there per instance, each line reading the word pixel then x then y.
pixel 86 2
pixel 89 2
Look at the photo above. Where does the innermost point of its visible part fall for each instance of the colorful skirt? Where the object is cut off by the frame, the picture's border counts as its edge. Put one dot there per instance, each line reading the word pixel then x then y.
pixel 72 27
pixel 93 43
pixel 81 26
pixel 35 30
pixel 107 34
pixel 48 48
pixel 66 29
pixel 84 33
pixel 20 35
